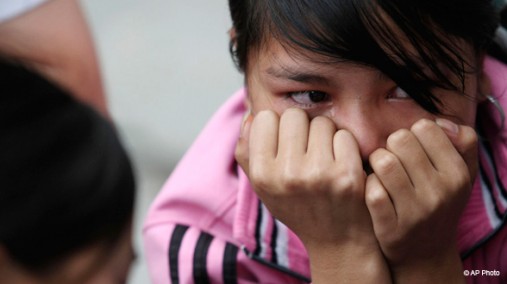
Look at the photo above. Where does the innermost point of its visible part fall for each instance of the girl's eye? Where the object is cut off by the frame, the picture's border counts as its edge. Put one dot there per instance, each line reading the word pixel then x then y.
pixel 308 98
pixel 398 93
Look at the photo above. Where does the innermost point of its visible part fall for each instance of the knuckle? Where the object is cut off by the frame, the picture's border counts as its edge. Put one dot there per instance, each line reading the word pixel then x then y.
pixel 433 205
pixel 316 175
pixel 399 138
pixel 384 163
pixel 423 125
pixel 470 138
pixel 349 183
pixel 291 178
pixel 375 199
pixel 429 207
pixel 260 178
pixel 461 177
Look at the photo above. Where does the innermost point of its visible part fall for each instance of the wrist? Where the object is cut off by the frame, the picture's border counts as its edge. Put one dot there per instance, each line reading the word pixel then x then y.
pixel 348 264
pixel 442 268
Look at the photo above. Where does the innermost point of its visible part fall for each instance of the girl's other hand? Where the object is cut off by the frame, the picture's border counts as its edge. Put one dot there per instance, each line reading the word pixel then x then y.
pixel 419 188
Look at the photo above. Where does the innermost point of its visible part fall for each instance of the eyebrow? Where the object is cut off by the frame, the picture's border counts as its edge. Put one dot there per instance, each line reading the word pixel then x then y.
pixel 301 76
pixel 304 76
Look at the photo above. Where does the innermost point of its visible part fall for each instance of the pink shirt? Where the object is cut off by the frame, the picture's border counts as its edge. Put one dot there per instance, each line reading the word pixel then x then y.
pixel 207 225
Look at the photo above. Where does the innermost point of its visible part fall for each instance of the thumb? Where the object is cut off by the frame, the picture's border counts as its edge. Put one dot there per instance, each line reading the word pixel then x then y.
pixel 464 138
pixel 242 149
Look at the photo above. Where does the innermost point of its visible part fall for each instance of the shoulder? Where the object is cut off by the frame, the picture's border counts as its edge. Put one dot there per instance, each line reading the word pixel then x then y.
pixel 491 111
pixel 497 73
pixel 491 257
pixel 189 255
pixel 202 190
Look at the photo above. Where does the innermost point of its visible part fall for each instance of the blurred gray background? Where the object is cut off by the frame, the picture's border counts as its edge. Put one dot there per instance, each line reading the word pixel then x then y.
pixel 166 69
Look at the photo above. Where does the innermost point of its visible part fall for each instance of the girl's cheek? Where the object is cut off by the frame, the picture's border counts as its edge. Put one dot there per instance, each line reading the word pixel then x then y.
pixel 263 101
pixel 267 102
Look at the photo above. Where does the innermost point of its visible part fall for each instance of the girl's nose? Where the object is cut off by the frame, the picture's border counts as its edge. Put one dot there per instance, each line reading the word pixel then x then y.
pixel 365 124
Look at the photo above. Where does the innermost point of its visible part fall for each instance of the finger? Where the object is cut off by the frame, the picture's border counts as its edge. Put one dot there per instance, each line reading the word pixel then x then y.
pixel 263 138
pixel 293 139
pixel 346 151
pixel 382 210
pixel 411 155
pixel 390 172
pixel 320 140
pixel 242 150
pixel 439 149
pixel 465 140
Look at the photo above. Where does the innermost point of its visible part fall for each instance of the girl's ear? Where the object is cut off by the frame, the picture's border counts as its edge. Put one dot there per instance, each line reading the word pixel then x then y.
pixel 232 34
pixel 232 38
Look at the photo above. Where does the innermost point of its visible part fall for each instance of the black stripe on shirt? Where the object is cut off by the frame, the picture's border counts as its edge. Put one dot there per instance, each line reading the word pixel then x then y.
pixel 229 265
pixel 200 272
pixel 258 236
pixel 487 182
pixel 274 238
pixel 498 181
pixel 276 267
pixel 174 249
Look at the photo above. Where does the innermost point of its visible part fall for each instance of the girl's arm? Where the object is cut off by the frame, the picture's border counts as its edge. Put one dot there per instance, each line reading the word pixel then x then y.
pixel 183 253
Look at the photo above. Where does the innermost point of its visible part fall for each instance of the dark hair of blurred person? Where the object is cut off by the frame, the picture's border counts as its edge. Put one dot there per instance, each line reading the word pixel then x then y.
pixel 67 193
pixel 66 184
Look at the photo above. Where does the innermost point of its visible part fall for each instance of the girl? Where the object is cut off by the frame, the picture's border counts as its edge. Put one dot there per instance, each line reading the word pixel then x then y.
pixel 371 151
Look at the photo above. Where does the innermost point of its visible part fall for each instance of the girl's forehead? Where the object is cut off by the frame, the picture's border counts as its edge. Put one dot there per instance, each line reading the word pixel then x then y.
pixel 279 65
pixel 276 57
pixel 282 53
pixel 285 59
pixel 276 53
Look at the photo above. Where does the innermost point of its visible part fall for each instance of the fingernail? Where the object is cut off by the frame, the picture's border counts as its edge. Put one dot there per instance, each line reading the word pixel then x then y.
pixel 447 125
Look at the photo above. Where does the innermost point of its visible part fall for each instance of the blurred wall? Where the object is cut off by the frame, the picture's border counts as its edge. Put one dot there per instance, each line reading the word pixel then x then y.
pixel 166 68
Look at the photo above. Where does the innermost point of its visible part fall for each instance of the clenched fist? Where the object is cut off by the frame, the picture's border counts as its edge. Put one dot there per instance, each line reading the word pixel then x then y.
pixel 310 176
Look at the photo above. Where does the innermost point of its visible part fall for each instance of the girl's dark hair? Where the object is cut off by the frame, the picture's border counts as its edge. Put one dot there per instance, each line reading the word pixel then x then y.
pixel 65 181
pixel 374 33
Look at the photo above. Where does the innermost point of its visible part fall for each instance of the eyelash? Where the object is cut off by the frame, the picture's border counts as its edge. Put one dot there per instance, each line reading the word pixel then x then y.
pixel 324 97
pixel 321 96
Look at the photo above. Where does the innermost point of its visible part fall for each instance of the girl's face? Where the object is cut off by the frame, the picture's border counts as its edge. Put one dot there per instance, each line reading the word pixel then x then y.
pixel 357 98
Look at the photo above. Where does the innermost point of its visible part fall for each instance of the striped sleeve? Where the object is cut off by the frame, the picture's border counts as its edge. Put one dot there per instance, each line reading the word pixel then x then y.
pixel 178 253
pixel 182 254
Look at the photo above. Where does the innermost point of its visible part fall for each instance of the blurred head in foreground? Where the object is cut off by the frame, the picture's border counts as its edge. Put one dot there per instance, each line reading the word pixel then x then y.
pixel 66 184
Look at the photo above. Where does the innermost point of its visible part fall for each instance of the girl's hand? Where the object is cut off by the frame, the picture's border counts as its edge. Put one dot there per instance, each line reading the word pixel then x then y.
pixel 420 185
pixel 311 178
